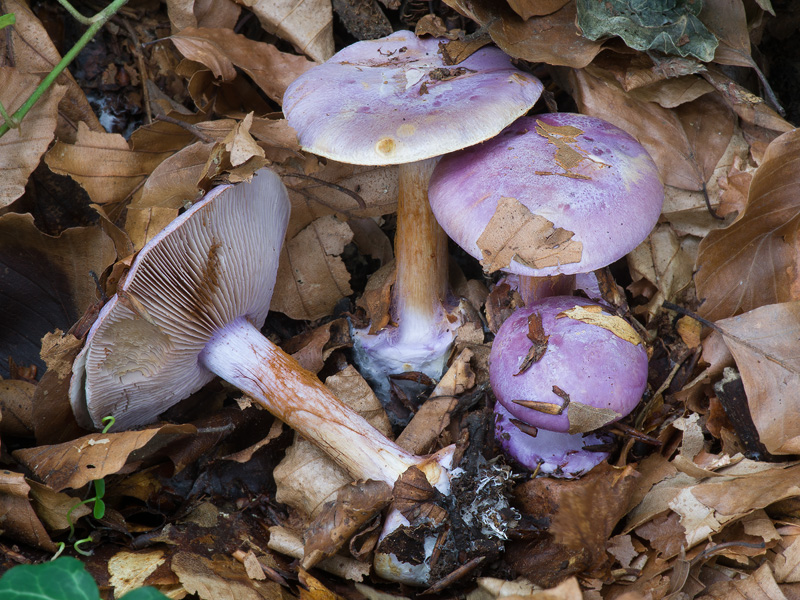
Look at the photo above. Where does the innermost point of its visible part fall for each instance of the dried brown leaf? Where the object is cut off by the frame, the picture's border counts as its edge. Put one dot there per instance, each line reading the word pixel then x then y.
pixel 129 570
pixel 74 464
pixel 103 164
pixel 312 277
pixel 312 348
pixel 174 182
pixel 553 39
pixel 754 261
pixel 760 585
pixel 686 143
pixel 664 262
pixel 306 24
pixel 16 407
pixel 515 233
pixel 17 517
pixel 765 350
pixel 220 579
pixel 57 510
pixel 22 146
pixel 45 281
pixel 535 8
pixel 221 50
pixel 595 315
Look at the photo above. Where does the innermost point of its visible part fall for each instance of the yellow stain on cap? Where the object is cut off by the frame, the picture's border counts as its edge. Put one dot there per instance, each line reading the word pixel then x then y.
pixel 385 146
pixel 406 130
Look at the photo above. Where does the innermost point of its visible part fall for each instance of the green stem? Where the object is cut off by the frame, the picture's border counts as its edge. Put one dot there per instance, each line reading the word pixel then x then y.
pixel 97 22
pixel 75 14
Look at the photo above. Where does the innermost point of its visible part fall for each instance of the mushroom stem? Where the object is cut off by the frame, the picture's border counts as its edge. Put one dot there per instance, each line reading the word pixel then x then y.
pixel 421 257
pixel 535 288
pixel 242 356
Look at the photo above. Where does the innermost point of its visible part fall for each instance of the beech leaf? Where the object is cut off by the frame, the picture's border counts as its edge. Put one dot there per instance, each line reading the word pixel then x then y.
pixel 306 24
pixel 754 262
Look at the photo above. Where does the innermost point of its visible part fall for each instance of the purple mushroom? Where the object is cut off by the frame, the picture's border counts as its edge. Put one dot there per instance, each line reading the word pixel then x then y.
pixel 584 367
pixel 191 308
pixel 393 101
pixel 548 452
pixel 550 196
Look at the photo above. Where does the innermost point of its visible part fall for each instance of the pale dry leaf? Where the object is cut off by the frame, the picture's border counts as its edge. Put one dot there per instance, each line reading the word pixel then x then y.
pixel 181 14
pixel 22 147
pixel 787 561
pixel 223 14
pixel 103 164
pixel 221 50
pixel 727 20
pixel 763 342
pixel 686 143
pixel 173 183
pixel 287 542
pixel 16 407
pixel 306 478
pixel 312 277
pixel 584 418
pixel 143 224
pixel 306 24
pixel 240 144
pixel 129 570
pixel 515 233
pixel 670 93
pixel 56 510
pixel 594 315
pixel 220 579
pixel 663 261
pixel 34 52
pixel 760 585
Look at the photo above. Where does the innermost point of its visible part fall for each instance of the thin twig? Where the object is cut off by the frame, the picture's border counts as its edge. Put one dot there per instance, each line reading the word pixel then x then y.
pixel 359 200
pixel 187 126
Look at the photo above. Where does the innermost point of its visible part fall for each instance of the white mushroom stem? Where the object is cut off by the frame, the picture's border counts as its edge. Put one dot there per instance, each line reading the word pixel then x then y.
pixel 536 288
pixel 421 257
pixel 242 356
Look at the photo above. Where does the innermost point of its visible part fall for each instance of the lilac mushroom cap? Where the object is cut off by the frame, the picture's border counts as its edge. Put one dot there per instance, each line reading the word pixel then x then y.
pixel 215 263
pixel 581 174
pixel 393 100
pixel 603 374
pixel 552 453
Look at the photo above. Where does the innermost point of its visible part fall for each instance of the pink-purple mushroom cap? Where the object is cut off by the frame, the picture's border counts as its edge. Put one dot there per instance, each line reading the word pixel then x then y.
pixel 394 100
pixel 589 194
pixel 601 367
pixel 551 453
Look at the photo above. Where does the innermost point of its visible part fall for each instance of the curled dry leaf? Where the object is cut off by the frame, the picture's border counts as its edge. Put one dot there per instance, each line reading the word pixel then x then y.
pixel 19 520
pixel 16 407
pixel 686 143
pixel 74 464
pixel 220 579
pixel 45 281
pixel 535 8
pixel 553 39
pixel 312 277
pixel 754 262
pixel 306 24
pixel 35 53
pixel 221 50
pixel 663 261
pixel 22 147
pixel 595 315
pixel 103 164
pixel 56 510
pixel 764 344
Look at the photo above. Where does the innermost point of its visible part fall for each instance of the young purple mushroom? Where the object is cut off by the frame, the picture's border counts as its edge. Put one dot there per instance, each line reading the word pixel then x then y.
pixel 191 308
pixel 393 101
pixel 548 452
pixel 550 196
pixel 580 369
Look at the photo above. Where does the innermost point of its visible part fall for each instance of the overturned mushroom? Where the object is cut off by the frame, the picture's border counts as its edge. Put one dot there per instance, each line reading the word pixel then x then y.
pixel 393 101
pixel 191 308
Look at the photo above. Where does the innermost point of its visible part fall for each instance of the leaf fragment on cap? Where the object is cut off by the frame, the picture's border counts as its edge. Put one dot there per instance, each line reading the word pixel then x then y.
pixel 594 315
pixel 515 233
pixel 584 418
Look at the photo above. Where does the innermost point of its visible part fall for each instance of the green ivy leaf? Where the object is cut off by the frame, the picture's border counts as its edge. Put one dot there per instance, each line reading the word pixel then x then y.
pixel 63 579
pixel 669 26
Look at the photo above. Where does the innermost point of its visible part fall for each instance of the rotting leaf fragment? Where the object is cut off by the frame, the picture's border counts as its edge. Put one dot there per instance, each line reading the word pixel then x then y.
pixel 538 342
pixel 594 315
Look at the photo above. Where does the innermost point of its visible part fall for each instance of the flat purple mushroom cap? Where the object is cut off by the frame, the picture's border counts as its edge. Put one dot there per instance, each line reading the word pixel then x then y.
pixel 603 374
pixel 556 454
pixel 592 182
pixel 393 101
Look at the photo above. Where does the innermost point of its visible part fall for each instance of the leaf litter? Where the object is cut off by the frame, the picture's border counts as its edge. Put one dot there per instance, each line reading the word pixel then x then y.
pixel 699 499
